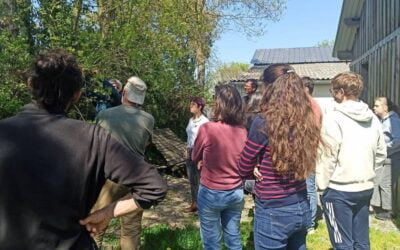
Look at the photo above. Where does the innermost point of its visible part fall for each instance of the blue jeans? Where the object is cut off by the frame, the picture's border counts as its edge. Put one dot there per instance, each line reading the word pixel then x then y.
pixel 220 208
pixel 281 227
pixel 312 198
pixel 346 214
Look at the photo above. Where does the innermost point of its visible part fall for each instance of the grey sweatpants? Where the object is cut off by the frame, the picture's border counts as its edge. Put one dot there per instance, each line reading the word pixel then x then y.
pixel 386 182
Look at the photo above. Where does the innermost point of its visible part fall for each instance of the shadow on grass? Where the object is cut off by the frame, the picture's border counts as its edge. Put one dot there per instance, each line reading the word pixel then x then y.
pixel 162 237
pixel 396 221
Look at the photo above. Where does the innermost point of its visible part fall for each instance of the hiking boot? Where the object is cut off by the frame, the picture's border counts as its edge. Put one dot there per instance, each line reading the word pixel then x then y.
pixel 383 216
pixel 192 208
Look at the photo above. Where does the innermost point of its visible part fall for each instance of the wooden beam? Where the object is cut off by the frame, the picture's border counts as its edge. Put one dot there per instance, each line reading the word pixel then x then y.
pixel 345 55
pixel 352 21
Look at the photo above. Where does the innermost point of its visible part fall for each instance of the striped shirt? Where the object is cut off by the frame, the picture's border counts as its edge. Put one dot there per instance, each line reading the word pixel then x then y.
pixel 275 189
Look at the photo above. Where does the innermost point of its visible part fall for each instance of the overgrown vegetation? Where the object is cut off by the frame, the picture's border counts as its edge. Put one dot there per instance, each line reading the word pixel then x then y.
pixel 165 42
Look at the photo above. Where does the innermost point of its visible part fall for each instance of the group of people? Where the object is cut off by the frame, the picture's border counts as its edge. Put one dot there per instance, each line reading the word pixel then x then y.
pixel 278 145
pixel 62 180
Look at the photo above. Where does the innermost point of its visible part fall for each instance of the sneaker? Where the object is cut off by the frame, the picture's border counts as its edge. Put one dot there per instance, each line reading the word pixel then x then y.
pixel 310 231
pixel 383 216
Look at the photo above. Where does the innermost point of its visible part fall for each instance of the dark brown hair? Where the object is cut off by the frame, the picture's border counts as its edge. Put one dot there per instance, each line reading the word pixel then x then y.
pixel 308 83
pixel 273 71
pixel 54 80
pixel 228 106
pixel 200 101
pixel 253 83
pixel 292 129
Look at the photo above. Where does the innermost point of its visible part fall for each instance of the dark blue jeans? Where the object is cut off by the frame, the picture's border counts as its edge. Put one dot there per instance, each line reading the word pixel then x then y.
pixel 281 227
pixel 346 215
pixel 312 198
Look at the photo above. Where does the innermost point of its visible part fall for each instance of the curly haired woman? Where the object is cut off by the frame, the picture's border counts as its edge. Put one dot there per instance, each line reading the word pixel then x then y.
pixel 286 136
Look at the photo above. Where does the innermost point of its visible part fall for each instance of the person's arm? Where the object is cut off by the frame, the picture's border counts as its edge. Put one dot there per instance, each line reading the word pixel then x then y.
pixel 394 144
pixel 256 142
pixel 128 168
pixel 199 145
pixel 98 220
pixel 326 164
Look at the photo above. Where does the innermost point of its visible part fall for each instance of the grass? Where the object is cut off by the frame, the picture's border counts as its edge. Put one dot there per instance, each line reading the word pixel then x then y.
pixel 165 238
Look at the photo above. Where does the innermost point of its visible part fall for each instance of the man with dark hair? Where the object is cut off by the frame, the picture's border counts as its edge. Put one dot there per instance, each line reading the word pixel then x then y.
pixel 250 87
pixel 132 126
pixel 52 168
pixel 309 84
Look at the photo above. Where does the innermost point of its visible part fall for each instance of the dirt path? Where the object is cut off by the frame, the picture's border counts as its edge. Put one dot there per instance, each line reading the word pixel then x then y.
pixel 171 210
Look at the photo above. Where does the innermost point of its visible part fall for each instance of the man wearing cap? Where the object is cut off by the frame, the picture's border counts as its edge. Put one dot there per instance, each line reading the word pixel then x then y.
pixel 132 126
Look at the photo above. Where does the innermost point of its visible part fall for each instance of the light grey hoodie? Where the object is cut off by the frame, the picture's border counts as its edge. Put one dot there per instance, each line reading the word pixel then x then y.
pixel 356 147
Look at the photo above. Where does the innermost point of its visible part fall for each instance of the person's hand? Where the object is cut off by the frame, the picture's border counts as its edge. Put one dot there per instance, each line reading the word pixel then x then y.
pixel 199 165
pixel 257 173
pixel 98 220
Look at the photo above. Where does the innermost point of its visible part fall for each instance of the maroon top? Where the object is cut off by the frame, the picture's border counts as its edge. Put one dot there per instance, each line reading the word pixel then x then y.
pixel 219 145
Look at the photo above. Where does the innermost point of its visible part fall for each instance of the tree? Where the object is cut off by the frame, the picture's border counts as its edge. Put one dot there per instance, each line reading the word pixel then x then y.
pixel 225 72
pixel 247 16
pixel 325 43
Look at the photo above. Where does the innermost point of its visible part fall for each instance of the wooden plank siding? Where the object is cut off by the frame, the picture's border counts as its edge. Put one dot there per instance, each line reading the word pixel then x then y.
pixel 377 44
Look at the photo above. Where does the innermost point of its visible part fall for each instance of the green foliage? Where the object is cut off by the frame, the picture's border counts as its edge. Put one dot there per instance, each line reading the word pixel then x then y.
pixel 166 43
pixel 117 39
pixel 223 73
pixel 325 43
pixel 14 60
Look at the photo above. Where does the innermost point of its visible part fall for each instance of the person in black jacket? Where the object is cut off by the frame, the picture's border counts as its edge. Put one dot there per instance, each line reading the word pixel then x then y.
pixel 52 168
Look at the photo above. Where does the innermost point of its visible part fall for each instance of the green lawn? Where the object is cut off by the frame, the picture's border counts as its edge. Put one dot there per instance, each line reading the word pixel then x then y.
pixel 162 237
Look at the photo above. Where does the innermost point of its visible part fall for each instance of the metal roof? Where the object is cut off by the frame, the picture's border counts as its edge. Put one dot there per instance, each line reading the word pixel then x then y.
pixel 316 71
pixel 345 34
pixel 294 55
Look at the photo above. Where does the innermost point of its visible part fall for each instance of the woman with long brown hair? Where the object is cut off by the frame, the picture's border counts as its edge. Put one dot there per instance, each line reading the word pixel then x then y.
pixel 218 146
pixel 286 137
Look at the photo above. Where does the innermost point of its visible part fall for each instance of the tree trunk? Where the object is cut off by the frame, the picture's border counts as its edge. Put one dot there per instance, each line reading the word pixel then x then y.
pixel 201 65
pixel 77 13
pixel 201 56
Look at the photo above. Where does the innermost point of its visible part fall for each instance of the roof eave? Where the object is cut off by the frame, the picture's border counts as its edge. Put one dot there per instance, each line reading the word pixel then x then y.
pixel 345 34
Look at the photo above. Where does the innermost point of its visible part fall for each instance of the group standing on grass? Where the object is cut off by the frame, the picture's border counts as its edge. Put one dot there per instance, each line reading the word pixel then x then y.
pixel 289 149
pixel 62 180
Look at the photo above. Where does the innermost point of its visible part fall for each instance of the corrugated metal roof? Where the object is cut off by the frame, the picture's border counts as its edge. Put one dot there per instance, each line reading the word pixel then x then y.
pixel 316 71
pixel 294 55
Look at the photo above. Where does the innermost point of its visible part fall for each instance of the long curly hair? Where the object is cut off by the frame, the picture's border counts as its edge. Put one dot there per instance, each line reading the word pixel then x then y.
pixel 292 128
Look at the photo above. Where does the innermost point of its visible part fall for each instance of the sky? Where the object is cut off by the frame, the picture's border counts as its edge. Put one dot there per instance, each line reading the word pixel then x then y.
pixel 304 23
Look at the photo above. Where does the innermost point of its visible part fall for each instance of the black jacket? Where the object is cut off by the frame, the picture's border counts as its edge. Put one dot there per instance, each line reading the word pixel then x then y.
pixel 51 172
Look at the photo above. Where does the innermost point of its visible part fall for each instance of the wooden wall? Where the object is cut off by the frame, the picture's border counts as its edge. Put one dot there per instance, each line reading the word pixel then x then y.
pixel 376 51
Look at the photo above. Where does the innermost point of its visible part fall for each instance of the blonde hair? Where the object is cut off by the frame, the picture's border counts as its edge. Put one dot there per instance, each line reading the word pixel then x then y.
pixel 350 82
